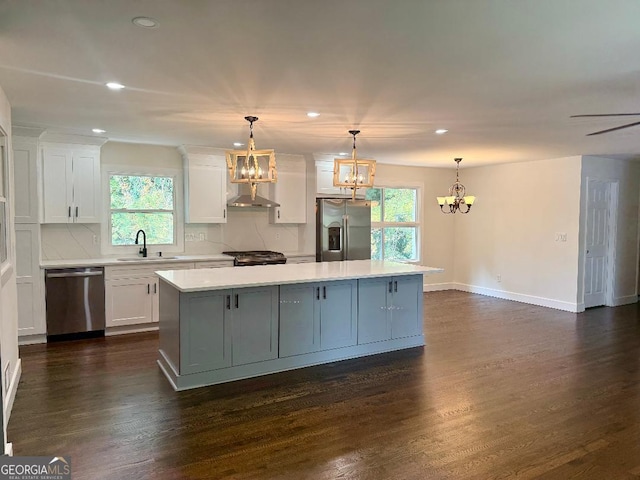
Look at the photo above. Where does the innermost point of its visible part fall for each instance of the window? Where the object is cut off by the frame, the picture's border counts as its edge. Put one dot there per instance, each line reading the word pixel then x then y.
pixel 394 223
pixel 144 202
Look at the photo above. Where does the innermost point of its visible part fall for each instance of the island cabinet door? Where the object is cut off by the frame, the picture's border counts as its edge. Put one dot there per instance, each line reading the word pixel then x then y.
pixel 205 331
pixel 406 308
pixel 338 313
pixel 374 316
pixel 254 324
pixel 299 319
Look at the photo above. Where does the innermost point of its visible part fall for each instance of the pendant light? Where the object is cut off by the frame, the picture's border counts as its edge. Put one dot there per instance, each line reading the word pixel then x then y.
pixel 252 166
pixel 456 199
pixel 355 172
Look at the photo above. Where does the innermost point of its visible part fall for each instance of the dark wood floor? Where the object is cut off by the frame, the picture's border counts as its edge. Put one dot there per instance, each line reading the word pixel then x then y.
pixel 501 390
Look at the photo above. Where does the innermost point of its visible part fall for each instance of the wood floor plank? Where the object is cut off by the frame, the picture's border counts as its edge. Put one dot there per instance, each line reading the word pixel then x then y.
pixel 501 390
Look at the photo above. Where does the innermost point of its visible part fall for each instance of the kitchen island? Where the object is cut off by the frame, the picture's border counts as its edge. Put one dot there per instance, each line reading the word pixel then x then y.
pixel 224 324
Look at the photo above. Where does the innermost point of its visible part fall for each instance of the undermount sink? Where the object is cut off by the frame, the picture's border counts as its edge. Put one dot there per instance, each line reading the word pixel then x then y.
pixel 145 259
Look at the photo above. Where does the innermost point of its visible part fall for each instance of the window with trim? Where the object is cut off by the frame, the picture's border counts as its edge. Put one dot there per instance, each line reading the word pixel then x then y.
pixel 144 202
pixel 395 229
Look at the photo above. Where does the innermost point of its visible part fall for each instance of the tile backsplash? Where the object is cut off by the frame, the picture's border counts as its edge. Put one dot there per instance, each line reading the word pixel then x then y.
pixel 246 229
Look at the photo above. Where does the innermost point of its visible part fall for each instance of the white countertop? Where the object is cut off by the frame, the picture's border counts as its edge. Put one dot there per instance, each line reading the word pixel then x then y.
pixel 111 261
pixel 240 277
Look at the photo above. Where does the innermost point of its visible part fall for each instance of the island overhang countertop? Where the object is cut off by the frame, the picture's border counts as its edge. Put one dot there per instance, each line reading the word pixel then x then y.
pixel 240 277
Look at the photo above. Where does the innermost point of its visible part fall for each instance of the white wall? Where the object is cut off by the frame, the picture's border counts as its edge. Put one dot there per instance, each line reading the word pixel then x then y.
pixel 8 296
pixel 512 229
pixel 627 176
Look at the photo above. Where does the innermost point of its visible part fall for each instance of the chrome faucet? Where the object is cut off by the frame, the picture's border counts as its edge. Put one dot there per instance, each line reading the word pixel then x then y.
pixel 143 250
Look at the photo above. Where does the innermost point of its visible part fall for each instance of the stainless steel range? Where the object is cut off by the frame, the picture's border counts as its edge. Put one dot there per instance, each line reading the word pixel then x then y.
pixel 256 257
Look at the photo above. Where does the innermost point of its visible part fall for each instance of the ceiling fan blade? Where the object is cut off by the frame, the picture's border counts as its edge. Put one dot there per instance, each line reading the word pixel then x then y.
pixel 614 129
pixel 606 115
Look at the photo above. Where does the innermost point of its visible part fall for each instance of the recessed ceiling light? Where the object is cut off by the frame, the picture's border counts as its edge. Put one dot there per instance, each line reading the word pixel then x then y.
pixel 145 22
pixel 441 131
pixel 115 86
pixel 313 114
pixel 98 130
pixel 237 144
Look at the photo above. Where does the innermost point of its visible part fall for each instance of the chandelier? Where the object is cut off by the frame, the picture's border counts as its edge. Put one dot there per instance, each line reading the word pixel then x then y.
pixel 456 197
pixel 252 166
pixel 355 172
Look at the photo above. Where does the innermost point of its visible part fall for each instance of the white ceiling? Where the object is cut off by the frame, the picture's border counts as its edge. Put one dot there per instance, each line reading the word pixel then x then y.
pixel 502 75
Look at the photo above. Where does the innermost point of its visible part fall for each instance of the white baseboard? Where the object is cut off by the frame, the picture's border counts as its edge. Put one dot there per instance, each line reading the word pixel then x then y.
pixel 32 339
pixel 8 449
pixel 11 392
pixel 437 287
pixel 519 297
pixel 626 300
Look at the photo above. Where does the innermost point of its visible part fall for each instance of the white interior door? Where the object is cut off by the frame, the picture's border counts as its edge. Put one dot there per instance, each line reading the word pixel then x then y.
pixel 595 271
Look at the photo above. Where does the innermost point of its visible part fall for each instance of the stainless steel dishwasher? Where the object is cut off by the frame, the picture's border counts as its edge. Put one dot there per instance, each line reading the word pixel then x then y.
pixel 75 303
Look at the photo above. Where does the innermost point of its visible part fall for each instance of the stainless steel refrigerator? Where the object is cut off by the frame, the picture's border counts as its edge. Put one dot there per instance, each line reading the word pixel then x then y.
pixel 343 229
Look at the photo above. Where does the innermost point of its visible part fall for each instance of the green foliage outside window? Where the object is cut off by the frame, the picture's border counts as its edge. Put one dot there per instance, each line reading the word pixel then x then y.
pixel 394 224
pixel 142 202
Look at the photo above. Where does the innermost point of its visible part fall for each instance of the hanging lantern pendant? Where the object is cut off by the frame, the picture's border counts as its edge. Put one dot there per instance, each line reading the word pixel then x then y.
pixel 354 173
pixel 251 166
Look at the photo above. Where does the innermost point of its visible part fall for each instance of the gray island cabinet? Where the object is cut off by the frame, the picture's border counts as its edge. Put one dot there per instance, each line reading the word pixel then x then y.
pixel 225 324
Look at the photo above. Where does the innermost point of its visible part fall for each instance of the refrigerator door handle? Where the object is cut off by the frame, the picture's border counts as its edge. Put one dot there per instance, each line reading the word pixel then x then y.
pixel 345 245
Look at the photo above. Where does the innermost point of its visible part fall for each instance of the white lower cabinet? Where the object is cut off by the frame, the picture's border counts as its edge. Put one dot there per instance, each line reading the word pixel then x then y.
pixel 389 308
pixel 130 301
pixel 30 281
pixel 131 293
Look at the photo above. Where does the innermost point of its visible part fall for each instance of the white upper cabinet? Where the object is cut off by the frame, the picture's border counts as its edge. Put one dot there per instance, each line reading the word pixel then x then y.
pixel 70 183
pixel 324 182
pixel 25 158
pixel 290 191
pixel 205 185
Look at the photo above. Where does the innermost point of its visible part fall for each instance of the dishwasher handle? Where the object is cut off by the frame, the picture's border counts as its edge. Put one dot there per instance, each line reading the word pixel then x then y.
pixel 74 274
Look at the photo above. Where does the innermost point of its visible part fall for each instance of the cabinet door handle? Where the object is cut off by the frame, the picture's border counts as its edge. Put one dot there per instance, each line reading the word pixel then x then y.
pixel 228 302
pixel 76 212
pixel 390 287
pixel 395 286
pixel 155 288
pixel 148 289
pixel 278 213
pixel 324 292
pixel 317 293
pixel 69 211
pixel 224 213
pixel 237 301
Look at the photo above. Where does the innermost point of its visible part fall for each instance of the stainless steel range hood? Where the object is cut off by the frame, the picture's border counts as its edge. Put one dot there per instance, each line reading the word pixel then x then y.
pixel 244 199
